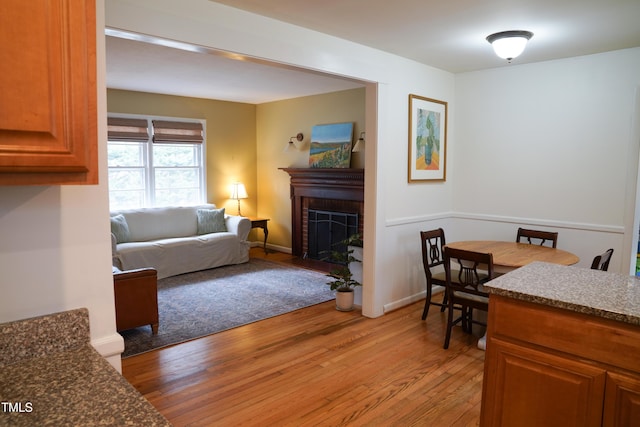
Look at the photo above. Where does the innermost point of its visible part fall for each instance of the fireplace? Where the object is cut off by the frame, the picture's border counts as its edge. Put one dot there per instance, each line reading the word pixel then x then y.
pixel 328 190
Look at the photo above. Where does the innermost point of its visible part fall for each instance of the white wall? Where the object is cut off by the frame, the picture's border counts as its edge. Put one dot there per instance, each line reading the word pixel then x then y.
pixel 388 196
pixel 558 132
pixel 550 145
pixel 55 250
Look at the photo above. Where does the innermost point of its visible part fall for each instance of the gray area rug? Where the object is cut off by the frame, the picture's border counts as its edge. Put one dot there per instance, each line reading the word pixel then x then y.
pixel 197 304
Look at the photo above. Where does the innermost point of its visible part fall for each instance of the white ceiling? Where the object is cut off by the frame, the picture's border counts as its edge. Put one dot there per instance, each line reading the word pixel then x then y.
pixel 445 34
pixel 149 67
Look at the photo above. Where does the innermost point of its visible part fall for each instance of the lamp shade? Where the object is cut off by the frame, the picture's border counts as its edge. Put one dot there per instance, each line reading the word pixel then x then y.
pixel 359 145
pixel 509 44
pixel 238 191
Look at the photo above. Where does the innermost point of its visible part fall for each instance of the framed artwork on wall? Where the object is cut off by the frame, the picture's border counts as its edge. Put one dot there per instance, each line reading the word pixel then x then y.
pixel 331 146
pixel 427 139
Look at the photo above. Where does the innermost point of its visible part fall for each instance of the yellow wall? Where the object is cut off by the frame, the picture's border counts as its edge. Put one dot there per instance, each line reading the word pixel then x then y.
pixel 277 122
pixel 231 138
pixel 245 142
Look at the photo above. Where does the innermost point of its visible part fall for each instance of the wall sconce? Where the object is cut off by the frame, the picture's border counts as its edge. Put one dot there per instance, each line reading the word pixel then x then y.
pixel 292 144
pixel 359 146
pixel 238 192
pixel 509 44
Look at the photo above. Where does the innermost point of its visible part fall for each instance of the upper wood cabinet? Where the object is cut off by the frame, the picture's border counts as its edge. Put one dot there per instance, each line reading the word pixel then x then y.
pixel 48 110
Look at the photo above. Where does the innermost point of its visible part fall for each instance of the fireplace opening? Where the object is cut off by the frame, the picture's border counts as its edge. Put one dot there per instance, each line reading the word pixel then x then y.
pixel 326 229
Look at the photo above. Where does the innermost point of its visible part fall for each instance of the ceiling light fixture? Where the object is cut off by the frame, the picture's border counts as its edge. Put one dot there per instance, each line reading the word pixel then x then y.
pixel 509 44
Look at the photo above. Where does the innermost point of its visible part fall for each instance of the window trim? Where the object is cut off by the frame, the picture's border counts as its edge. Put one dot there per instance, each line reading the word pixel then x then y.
pixel 127 128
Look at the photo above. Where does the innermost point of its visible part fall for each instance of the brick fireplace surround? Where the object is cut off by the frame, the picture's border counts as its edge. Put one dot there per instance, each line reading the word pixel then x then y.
pixel 338 190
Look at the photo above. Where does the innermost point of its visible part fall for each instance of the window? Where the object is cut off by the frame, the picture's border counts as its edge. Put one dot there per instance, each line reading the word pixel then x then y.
pixel 155 162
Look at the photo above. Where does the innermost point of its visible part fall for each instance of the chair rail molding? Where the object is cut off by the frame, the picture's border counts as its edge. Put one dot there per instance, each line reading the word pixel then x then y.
pixel 613 229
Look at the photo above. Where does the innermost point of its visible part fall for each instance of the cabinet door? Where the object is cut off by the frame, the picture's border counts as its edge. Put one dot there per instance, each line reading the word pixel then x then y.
pixel 622 400
pixel 526 387
pixel 48 104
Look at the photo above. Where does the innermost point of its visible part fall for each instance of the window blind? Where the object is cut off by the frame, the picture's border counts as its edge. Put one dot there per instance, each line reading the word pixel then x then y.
pixel 121 129
pixel 177 132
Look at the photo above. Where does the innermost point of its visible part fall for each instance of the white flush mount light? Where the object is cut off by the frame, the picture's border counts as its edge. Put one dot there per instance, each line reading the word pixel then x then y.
pixel 509 44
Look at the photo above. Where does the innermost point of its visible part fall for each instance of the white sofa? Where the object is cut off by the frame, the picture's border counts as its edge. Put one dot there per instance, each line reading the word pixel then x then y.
pixel 177 240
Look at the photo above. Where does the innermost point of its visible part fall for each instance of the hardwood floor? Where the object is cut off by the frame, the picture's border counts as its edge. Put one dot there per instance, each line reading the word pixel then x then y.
pixel 318 366
pixel 257 252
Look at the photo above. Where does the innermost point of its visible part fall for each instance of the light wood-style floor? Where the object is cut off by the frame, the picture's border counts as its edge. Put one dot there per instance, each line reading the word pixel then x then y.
pixel 318 366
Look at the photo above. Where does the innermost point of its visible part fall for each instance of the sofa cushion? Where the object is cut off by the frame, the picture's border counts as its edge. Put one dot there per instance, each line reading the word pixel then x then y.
pixel 211 221
pixel 120 229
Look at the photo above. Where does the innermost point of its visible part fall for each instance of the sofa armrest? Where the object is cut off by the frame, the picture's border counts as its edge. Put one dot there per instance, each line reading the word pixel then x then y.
pixel 238 225
pixel 115 258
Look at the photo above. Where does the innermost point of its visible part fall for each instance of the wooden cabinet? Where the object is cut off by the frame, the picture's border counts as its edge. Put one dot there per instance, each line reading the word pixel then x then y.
pixel 48 110
pixel 554 367
pixel 622 400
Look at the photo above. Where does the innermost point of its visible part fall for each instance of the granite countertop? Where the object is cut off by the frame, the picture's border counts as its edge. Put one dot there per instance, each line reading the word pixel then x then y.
pixel 72 388
pixel 608 295
pixel 51 375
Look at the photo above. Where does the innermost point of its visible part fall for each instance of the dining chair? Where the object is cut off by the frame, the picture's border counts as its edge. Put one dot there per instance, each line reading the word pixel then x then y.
pixel 601 262
pixel 538 235
pixel 467 289
pixel 432 259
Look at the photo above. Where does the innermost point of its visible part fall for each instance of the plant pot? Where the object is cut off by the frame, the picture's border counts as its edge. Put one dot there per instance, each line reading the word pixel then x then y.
pixel 344 300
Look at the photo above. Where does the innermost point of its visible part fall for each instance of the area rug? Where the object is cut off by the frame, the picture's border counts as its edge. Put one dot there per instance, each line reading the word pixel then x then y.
pixel 197 304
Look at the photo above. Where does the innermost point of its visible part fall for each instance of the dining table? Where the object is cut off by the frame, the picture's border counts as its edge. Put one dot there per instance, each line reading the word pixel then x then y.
pixel 508 256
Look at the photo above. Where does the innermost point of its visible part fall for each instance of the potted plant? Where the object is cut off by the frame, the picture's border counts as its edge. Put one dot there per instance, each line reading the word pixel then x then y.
pixel 342 278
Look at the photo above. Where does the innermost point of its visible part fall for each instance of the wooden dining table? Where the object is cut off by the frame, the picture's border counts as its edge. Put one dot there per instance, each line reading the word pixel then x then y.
pixel 508 256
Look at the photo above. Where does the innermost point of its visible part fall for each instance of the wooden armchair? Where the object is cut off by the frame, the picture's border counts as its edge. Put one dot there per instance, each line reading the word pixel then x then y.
pixel 136 297
pixel 539 236
pixel 601 262
pixel 466 290
pixel 432 244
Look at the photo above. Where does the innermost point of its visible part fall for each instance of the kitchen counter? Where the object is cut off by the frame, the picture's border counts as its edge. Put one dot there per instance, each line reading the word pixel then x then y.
pixel 51 375
pixel 562 348
pixel 593 292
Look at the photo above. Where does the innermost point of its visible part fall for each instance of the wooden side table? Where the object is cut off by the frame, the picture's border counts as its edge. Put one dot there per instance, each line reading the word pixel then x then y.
pixel 261 223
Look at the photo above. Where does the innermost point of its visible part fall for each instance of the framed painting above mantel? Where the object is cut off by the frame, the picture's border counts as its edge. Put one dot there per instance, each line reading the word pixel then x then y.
pixel 427 139
pixel 331 146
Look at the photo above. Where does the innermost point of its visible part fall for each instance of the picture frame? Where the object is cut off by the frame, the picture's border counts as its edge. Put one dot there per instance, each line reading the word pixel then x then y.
pixel 331 145
pixel 427 139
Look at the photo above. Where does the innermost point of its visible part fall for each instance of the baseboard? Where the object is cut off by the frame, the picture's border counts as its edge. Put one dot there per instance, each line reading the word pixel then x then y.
pixel 410 299
pixel 279 248
pixel 276 248
pixel 111 348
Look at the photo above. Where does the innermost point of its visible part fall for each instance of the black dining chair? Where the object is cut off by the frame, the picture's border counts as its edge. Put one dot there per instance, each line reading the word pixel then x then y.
pixel 433 242
pixel 601 262
pixel 467 289
pixel 539 237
